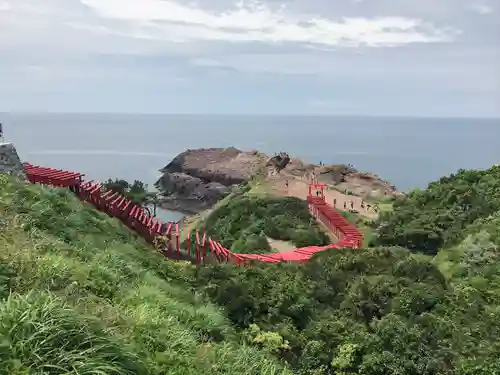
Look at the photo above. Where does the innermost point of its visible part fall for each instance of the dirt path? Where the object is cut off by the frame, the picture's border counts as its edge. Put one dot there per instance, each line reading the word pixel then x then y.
pixel 280 246
pixel 299 187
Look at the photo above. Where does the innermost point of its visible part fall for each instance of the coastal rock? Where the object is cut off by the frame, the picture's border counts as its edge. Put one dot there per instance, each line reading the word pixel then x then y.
pixel 279 161
pixel 196 179
pixel 346 177
pixel 227 166
pixel 10 162
pixel 189 194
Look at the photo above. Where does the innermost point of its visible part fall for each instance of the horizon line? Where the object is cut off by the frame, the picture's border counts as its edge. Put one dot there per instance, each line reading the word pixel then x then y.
pixel 429 117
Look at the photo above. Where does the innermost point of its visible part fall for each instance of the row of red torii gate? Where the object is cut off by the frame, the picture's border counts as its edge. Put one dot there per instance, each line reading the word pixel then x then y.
pixel 196 247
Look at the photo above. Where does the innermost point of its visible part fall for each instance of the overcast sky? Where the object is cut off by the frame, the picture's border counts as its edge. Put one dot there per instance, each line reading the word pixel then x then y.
pixel 364 57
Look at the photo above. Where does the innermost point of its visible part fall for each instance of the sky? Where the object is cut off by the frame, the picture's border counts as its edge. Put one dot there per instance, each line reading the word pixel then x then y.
pixel 430 58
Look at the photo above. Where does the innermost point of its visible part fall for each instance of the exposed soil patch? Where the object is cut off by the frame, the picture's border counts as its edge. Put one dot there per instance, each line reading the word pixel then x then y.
pixel 280 246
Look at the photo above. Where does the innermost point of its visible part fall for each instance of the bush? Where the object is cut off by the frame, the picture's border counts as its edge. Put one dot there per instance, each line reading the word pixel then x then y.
pixel 251 243
pixel 243 222
pixel 428 219
pixel 353 311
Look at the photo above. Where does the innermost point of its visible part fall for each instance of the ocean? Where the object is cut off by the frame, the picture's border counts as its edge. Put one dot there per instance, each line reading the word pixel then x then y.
pixel 409 152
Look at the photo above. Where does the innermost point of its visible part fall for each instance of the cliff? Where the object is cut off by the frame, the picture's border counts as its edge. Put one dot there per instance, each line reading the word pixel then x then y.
pixel 10 162
pixel 196 179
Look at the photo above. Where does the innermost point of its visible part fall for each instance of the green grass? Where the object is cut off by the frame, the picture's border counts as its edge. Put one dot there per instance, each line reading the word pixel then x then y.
pixel 363 224
pixel 80 294
pixel 244 220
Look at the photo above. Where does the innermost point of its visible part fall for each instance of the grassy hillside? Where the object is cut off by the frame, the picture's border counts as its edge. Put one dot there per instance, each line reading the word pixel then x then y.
pixel 243 221
pixel 385 310
pixel 440 215
pixel 79 294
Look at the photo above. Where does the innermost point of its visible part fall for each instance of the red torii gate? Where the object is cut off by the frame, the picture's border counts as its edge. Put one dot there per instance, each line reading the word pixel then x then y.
pixel 166 236
pixel 320 191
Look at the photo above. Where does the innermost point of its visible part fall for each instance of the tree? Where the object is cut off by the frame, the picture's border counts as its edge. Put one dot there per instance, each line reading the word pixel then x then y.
pixel 429 219
pixel 137 192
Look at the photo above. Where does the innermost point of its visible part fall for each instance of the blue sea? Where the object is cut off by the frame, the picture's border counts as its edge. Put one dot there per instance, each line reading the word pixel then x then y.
pixel 409 152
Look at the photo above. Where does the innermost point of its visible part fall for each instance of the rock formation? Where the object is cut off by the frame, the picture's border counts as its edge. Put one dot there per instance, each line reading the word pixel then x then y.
pixel 196 179
pixel 10 162
pixel 279 161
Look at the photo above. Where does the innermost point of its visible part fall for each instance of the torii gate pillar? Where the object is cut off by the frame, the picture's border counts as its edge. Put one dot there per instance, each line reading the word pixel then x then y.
pixel 319 190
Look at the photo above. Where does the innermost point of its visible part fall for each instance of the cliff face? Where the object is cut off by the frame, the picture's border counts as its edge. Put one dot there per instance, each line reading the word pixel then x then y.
pixel 10 162
pixel 196 179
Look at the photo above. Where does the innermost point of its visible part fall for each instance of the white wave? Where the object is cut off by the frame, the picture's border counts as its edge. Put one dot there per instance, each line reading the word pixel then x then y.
pixel 98 153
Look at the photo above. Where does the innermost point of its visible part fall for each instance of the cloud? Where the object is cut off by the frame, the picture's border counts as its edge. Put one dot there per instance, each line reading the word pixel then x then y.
pixel 255 22
pixel 274 56
pixel 481 8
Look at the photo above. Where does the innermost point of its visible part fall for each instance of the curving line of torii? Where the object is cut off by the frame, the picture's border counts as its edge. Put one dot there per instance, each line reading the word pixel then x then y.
pixel 198 248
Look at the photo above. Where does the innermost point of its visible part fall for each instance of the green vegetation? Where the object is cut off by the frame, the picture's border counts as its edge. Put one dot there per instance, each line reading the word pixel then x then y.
pixel 380 311
pixel 384 310
pixel 427 220
pixel 136 192
pixel 244 220
pixel 365 225
pixel 80 294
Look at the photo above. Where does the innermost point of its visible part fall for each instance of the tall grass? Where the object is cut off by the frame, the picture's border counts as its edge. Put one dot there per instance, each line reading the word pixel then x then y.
pixel 80 294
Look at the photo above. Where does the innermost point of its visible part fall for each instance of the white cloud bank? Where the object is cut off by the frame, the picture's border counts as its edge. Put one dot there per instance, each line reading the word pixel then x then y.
pixel 254 22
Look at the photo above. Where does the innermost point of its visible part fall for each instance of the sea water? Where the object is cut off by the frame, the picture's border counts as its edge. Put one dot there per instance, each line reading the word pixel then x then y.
pixel 409 152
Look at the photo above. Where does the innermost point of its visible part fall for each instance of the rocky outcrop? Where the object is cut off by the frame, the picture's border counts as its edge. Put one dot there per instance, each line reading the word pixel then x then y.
pixel 10 162
pixel 279 161
pixel 359 183
pixel 196 179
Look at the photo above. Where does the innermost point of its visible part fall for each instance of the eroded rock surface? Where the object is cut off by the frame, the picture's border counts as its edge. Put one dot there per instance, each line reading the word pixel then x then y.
pixel 360 183
pixel 10 162
pixel 196 179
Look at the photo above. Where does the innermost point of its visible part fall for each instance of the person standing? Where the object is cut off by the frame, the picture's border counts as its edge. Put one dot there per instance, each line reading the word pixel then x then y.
pixel 1 132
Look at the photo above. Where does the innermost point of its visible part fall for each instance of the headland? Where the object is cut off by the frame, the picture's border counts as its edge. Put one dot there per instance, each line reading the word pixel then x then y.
pixel 196 179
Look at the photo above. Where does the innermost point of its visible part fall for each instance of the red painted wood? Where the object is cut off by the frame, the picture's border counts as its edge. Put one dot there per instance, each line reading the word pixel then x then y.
pixel 150 228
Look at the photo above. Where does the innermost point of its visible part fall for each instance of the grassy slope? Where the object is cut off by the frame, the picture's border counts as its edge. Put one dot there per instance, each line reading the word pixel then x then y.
pixel 243 221
pixel 80 294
